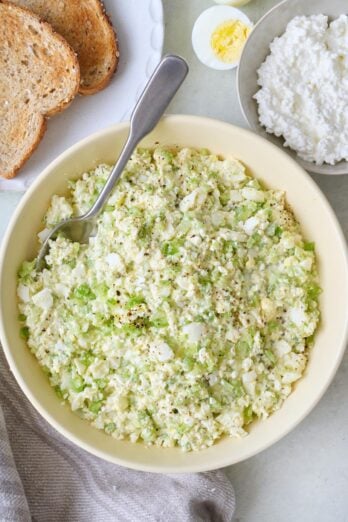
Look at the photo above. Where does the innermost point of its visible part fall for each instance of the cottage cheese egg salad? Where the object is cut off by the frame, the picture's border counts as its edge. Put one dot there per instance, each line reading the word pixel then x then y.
pixel 191 311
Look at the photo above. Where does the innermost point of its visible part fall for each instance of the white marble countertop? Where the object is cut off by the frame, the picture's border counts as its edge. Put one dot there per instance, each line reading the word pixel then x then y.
pixel 304 477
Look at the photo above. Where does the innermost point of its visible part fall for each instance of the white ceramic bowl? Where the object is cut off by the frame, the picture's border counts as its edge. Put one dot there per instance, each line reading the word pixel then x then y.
pixel 275 169
pixel 256 49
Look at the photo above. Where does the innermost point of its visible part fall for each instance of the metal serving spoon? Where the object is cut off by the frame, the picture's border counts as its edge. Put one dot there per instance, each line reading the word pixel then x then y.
pixel 161 88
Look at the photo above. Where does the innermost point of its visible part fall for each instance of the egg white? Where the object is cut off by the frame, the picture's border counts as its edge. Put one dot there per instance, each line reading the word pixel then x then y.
pixel 205 26
pixel 232 2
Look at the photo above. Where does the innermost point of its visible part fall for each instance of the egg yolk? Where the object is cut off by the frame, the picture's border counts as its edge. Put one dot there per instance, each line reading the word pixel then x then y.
pixel 228 39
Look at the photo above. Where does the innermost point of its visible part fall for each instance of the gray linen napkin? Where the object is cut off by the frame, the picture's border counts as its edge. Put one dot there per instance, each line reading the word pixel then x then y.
pixel 44 478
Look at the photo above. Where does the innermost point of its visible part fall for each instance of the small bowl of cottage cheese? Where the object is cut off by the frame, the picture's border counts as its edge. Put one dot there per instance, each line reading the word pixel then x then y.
pixel 293 82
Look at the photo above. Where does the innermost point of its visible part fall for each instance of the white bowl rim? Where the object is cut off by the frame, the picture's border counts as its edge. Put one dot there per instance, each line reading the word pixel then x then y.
pixel 199 467
pixel 307 165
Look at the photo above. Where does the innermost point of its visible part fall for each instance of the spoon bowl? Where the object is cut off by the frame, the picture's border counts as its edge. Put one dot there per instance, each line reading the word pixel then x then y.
pixel 158 93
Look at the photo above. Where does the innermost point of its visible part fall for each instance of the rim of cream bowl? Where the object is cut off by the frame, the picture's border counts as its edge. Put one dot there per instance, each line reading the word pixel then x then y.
pixel 229 451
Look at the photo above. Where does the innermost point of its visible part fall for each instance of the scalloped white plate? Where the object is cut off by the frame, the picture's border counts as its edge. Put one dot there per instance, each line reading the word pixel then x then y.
pixel 140 31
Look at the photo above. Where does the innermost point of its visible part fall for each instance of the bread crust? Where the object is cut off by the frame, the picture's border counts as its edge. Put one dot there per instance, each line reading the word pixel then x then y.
pixel 115 52
pixel 29 152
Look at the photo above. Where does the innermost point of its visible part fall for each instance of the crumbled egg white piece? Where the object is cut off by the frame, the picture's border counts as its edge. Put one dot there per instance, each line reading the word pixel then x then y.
pixel 23 293
pixel 43 299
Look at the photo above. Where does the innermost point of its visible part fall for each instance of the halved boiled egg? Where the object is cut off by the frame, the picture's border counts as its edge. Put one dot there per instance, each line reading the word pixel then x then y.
pixel 232 2
pixel 219 35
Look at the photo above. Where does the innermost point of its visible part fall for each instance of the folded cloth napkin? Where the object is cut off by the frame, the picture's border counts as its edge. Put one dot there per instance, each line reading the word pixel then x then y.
pixel 44 478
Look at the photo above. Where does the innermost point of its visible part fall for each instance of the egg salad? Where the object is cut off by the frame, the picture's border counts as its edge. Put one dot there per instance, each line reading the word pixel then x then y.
pixel 190 312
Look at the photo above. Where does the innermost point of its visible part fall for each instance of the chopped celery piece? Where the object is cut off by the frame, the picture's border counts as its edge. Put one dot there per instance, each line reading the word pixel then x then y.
pixel 170 248
pixel 84 292
pixel 110 427
pixel 95 406
pixel 270 356
pixel 313 291
pixel 242 349
pixel 27 270
pixel 235 388
pixel 77 383
pixel 248 414
pixel 159 322
pixel 24 332
pixel 134 301
pixel 309 246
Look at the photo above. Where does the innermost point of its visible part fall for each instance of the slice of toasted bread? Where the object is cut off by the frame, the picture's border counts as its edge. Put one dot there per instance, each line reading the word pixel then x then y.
pixel 39 76
pixel 85 25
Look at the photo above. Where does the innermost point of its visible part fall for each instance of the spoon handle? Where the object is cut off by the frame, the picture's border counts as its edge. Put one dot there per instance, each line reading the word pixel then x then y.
pixel 158 93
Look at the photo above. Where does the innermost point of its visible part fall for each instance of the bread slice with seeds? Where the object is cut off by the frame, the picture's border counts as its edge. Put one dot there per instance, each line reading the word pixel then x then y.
pixel 87 28
pixel 39 76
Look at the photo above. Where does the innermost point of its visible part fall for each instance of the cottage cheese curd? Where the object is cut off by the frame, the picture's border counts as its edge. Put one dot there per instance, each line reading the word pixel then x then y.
pixel 304 88
pixel 188 315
